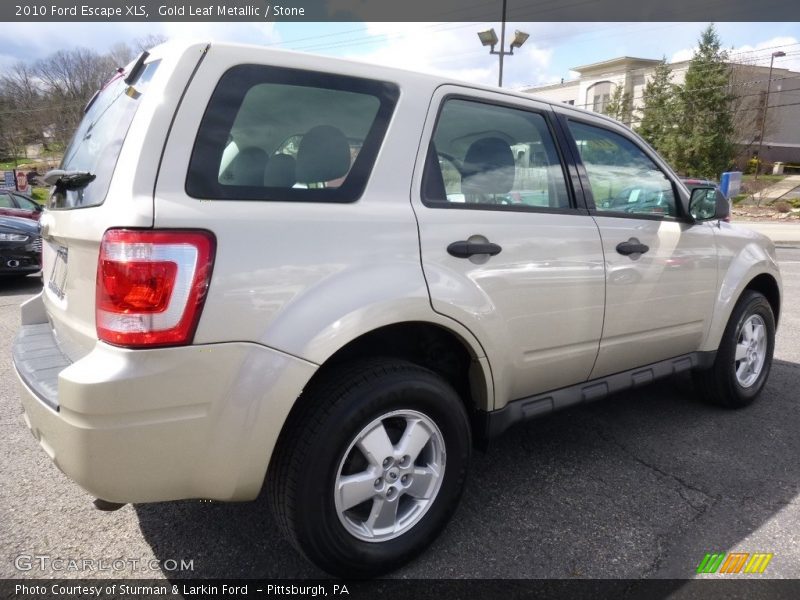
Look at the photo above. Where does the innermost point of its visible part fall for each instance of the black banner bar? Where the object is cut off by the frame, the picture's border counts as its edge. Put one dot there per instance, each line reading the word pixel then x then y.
pixel 732 588
pixel 398 11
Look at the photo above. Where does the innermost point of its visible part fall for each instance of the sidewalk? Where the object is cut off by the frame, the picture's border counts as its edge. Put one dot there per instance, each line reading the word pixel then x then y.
pixel 780 233
pixel 778 190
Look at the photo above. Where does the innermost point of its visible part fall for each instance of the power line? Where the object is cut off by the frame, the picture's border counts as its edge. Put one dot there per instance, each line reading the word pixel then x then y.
pixel 760 108
pixel 710 88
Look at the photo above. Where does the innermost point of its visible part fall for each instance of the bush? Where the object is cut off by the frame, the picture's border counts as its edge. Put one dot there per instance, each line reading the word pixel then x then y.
pixel 782 206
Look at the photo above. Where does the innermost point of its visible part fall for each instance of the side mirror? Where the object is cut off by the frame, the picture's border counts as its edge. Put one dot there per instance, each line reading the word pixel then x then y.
pixel 38 207
pixel 708 203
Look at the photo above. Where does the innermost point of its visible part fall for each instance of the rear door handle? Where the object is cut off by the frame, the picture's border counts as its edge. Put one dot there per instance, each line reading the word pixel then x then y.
pixel 465 249
pixel 632 246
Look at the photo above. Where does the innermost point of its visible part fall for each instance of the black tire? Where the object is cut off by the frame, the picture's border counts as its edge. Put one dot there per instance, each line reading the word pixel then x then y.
pixel 334 409
pixel 719 384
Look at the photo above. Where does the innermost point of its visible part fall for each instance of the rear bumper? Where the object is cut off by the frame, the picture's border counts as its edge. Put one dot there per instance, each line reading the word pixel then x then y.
pixel 162 424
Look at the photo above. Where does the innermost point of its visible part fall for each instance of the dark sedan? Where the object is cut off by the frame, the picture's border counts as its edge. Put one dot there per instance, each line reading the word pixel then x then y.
pixel 20 246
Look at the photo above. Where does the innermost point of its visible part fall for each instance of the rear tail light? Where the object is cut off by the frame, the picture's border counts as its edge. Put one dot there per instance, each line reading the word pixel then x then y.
pixel 151 286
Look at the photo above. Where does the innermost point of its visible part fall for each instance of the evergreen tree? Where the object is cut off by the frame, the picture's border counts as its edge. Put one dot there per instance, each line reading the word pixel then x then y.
pixel 660 110
pixel 704 144
pixel 620 105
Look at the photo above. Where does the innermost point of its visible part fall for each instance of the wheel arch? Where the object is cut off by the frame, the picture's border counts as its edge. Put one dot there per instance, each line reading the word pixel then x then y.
pixel 430 345
pixel 758 279
pixel 767 285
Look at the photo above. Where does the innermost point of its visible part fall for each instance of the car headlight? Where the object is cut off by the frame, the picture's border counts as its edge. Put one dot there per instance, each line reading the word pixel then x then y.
pixel 13 237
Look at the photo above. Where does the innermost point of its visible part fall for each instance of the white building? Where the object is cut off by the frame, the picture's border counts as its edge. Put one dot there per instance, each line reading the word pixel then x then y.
pixel 597 81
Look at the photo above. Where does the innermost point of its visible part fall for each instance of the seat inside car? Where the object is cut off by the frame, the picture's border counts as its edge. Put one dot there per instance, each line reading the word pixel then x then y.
pixel 488 169
pixel 280 171
pixel 323 155
pixel 247 168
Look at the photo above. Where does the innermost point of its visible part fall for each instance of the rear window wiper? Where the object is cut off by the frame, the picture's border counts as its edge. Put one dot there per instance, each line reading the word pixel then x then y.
pixel 68 180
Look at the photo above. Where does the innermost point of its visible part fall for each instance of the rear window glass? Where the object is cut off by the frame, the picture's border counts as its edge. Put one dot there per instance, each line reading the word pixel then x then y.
pixel 98 140
pixel 280 134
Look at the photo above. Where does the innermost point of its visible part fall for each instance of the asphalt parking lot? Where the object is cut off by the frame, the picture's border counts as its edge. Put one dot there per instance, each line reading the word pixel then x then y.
pixel 639 485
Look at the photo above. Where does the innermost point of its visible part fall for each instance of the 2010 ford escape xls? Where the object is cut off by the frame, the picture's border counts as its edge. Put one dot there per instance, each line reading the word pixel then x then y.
pixel 332 279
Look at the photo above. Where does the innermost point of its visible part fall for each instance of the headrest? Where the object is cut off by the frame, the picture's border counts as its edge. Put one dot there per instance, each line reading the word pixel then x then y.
pixel 323 155
pixel 280 171
pixel 247 167
pixel 488 167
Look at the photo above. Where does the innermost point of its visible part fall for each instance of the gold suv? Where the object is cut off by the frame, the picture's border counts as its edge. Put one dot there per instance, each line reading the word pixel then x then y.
pixel 333 279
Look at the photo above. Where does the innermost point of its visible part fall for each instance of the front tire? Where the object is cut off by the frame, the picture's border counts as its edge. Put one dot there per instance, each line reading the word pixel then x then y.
pixel 370 466
pixel 744 358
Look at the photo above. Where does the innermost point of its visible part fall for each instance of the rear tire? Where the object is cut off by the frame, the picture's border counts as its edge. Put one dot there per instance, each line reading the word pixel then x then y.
pixel 744 357
pixel 370 466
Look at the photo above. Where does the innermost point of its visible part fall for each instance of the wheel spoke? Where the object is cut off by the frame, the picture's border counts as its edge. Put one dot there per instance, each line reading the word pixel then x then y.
pixel 383 515
pixel 414 439
pixel 748 330
pixel 758 332
pixel 355 489
pixel 741 351
pixel 376 445
pixel 741 371
pixel 421 486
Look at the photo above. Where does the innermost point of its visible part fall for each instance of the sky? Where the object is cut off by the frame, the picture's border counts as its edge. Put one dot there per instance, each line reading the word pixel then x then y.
pixel 450 49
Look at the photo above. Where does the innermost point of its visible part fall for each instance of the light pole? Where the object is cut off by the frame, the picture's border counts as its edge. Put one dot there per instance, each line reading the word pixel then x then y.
pixel 489 38
pixel 775 55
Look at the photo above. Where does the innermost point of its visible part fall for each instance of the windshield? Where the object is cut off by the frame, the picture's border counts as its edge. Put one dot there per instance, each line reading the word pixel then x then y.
pixel 97 142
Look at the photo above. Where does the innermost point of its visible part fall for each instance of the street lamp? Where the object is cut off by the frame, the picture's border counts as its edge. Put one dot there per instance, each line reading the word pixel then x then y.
pixel 489 38
pixel 775 55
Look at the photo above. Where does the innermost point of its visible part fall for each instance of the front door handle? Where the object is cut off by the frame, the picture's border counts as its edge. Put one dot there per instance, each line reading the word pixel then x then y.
pixel 465 249
pixel 632 246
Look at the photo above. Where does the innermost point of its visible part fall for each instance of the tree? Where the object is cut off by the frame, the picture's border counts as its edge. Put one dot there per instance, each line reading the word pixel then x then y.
pixel 42 101
pixel 706 129
pixel 122 53
pixel 69 78
pixel 659 110
pixel 620 105
pixel 21 109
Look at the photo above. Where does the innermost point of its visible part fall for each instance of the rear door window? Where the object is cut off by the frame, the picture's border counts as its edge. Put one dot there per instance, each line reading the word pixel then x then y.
pixel 489 156
pixel 272 133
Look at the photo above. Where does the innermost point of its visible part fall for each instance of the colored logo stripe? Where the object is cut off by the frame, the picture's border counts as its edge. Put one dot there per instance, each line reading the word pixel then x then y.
pixel 710 563
pixel 734 562
pixel 758 563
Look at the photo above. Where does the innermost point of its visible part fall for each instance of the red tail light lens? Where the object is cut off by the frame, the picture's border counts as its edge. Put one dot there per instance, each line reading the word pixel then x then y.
pixel 151 286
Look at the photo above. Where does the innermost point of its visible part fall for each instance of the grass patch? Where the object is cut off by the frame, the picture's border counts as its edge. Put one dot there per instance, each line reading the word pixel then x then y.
pixel 8 165
pixel 769 178
pixel 40 194
pixel 740 198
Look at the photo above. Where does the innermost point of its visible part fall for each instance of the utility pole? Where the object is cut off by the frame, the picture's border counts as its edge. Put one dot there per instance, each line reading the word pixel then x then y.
pixel 775 55
pixel 502 45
